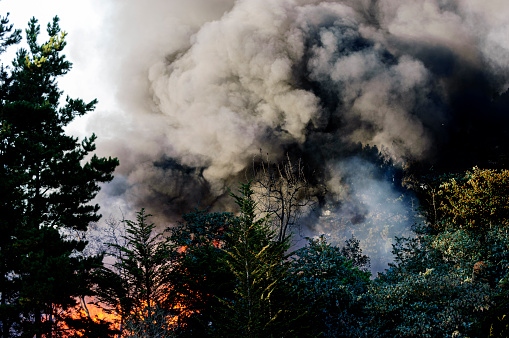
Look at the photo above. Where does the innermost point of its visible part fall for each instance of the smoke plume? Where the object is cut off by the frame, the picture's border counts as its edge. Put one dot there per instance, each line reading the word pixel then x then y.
pixel 204 85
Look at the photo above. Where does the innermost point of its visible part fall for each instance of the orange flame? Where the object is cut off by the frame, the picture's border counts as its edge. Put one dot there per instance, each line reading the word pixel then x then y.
pixel 89 309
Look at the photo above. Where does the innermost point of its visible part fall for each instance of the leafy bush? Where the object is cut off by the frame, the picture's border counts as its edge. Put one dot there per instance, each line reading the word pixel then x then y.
pixel 434 303
pixel 327 288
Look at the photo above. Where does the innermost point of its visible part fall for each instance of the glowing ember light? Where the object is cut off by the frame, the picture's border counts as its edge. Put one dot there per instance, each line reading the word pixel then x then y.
pixel 88 310
pixel 145 316
pixel 142 318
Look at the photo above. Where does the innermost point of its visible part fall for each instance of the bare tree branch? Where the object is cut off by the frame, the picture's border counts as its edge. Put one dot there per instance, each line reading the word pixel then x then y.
pixel 282 190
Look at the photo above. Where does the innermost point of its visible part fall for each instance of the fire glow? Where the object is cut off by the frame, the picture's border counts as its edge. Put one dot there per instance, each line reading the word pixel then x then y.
pixel 145 315
pixel 100 314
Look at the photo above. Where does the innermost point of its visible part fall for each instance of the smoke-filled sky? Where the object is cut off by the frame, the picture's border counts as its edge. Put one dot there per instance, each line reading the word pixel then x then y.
pixel 194 90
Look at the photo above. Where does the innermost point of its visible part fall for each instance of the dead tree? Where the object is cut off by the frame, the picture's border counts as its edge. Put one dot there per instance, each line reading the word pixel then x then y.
pixel 283 191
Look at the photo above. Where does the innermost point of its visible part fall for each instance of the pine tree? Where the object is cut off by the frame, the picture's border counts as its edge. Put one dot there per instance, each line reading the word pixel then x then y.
pixel 136 283
pixel 47 180
pixel 258 260
pixel 8 37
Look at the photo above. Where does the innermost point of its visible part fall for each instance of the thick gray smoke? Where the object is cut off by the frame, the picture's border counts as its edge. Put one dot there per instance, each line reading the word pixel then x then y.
pixel 203 85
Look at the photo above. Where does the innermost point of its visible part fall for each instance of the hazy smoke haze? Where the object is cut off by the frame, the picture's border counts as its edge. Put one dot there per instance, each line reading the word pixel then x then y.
pixel 204 85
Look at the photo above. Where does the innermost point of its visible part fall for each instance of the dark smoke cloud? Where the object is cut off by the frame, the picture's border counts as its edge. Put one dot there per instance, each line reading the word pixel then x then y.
pixel 203 85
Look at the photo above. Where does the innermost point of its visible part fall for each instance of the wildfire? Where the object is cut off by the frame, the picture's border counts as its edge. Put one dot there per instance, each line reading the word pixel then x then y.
pixel 97 313
pixel 89 310
pixel 143 318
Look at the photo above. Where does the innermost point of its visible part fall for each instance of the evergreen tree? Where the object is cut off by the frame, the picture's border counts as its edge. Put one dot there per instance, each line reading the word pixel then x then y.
pixel 258 260
pixel 8 37
pixel 199 275
pixel 8 315
pixel 47 180
pixel 327 284
pixel 135 285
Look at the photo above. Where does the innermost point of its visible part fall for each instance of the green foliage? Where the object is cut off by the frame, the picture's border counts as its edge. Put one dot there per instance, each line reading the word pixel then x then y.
pixel 327 287
pixel 475 201
pixel 433 303
pixel 199 275
pixel 473 221
pixel 352 251
pixel 257 260
pixel 138 277
pixel 8 37
pixel 47 180
pixel 448 280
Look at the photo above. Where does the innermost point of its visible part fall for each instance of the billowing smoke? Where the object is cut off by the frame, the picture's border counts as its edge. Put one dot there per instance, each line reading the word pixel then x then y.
pixel 205 85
